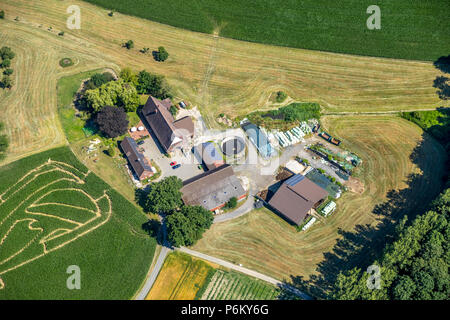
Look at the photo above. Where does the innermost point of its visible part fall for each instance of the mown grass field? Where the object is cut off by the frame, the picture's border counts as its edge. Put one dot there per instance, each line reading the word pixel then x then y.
pixel 402 170
pixel 407 27
pixel 184 277
pixel 214 73
pixel 230 285
pixel 55 213
pixel 180 278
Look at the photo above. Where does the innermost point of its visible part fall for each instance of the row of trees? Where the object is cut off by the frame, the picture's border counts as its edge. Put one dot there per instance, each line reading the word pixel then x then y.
pixel 160 55
pixel 414 267
pixel 185 224
pixel 4 142
pixel 6 55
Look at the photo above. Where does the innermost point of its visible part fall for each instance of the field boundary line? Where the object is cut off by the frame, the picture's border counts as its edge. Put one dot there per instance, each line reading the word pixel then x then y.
pixel 249 272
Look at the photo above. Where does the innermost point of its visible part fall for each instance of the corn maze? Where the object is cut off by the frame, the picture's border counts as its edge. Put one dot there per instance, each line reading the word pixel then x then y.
pixel 235 286
pixel 54 212
pixel 44 211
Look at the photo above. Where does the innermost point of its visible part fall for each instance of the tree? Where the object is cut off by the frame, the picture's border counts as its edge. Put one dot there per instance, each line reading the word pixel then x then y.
pixel 2 14
pixel 7 53
pixel 4 143
pixel 112 121
pixel 153 84
pixel 8 72
pixel 404 288
pixel 165 195
pixel 6 63
pixel 114 93
pixel 129 44
pixel 186 227
pixel 99 79
pixel 129 76
pixel 6 82
pixel 281 96
pixel 161 54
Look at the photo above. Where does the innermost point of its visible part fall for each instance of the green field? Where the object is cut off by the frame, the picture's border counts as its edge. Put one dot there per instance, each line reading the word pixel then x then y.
pixel 230 285
pixel 55 213
pixel 409 30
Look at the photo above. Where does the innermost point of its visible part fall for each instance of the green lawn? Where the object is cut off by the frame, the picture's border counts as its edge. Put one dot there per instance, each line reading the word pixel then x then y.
pixel 67 87
pixel 410 30
pixel 104 234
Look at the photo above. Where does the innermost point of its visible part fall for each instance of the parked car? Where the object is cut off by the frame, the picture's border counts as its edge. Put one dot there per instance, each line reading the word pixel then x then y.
pixel 173 163
pixel 176 166
pixel 140 142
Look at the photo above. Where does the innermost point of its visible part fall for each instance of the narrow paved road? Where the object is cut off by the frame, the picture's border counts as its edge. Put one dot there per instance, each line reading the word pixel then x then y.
pixel 249 272
pixel 154 274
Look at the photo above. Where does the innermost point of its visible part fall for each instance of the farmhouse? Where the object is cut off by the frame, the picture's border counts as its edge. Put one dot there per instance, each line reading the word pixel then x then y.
pixel 138 162
pixel 170 133
pixel 208 154
pixel 296 198
pixel 213 188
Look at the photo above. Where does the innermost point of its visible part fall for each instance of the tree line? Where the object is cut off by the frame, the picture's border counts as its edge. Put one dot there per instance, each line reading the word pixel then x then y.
pixel 4 142
pixel 6 55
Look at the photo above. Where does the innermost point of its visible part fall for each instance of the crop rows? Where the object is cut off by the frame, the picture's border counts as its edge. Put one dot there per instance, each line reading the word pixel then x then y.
pixel 231 285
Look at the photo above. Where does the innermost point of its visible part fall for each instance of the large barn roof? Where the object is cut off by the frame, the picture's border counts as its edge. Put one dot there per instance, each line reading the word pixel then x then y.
pixel 213 188
pixel 296 196
pixel 162 123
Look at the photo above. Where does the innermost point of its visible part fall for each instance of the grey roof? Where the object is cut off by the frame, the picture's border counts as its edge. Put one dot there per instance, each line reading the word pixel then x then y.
pixel 162 123
pixel 208 154
pixel 296 196
pixel 136 158
pixel 213 188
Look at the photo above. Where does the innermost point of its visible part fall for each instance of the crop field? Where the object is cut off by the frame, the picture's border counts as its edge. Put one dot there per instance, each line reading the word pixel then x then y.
pixel 407 27
pixel 230 285
pixel 402 171
pixel 180 278
pixel 55 213
pixel 214 73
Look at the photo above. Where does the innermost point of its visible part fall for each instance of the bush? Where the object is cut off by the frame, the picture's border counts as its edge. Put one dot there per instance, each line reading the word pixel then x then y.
pixel 111 13
pixel 2 14
pixel 232 203
pixel 61 34
pixel 8 72
pixel 112 151
pixel 161 54
pixel 129 44
pixel 281 96
pixel 112 121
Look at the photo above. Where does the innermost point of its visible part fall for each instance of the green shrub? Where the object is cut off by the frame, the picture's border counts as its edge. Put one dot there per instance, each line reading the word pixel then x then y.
pixel 281 96
pixel 2 14
pixel 129 44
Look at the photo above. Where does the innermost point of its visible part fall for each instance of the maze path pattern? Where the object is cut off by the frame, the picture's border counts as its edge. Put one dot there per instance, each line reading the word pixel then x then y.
pixel 21 203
